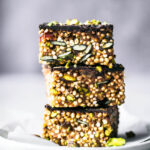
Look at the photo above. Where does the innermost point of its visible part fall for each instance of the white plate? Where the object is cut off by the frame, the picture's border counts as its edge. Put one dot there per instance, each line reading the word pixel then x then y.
pixel 19 135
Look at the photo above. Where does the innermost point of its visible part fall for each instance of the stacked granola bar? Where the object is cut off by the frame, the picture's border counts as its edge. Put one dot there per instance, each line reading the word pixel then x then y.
pixel 84 84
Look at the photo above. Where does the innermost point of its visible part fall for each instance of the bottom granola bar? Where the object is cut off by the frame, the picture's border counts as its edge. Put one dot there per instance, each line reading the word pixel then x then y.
pixel 86 127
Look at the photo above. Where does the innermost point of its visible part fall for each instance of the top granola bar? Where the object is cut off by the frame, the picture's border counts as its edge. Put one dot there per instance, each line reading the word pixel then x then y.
pixel 74 43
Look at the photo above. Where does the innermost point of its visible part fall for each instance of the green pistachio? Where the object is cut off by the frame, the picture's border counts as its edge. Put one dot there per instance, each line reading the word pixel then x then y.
pixel 87 94
pixel 85 90
pixel 87 22
pixel 115 142
pixel 68 129
pixel 73 21
pixel 99 68
pixel 54 91
pixel 91 115
pixel 108 131
pixel 46 138
pixel 52 23
pixel 70 98
pixel 53 114
pixel 68 22
pixel 48 44
pixel 113 61
pixel 67 64
pixel 95 22
pixel 69 78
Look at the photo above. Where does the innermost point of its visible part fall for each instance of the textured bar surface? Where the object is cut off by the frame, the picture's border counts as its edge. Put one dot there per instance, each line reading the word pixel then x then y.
pixel 84 86
pixel 77 44
pixel 80 127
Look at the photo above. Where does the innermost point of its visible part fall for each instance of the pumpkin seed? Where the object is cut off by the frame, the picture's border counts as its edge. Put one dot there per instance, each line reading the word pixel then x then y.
pixel 88 49
pixel 53 114
pixel 79 47
pixel 64 55
pixel 47 58
pixel 85 57
pixel 107 45
pixel 69 78
pixel 115 142
pixel 70 98
pixel 103 82
pixel 108 102
pixel 60 43
pixel 82 122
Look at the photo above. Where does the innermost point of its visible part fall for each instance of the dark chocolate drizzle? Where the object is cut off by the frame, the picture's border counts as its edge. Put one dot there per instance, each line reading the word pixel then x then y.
pixel 83 109
pixel 82 28
pixel 116 67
